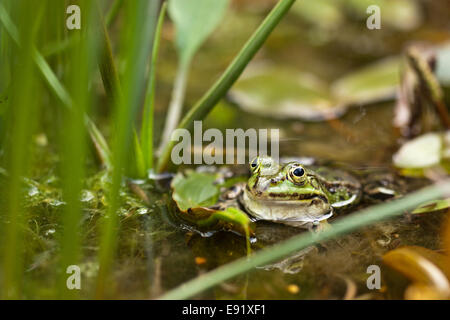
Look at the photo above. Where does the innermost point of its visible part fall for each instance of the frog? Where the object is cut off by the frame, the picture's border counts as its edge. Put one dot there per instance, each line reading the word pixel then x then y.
pixel 294 194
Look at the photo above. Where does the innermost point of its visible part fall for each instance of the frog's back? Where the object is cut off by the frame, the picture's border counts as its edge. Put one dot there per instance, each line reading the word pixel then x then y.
pixel 343 188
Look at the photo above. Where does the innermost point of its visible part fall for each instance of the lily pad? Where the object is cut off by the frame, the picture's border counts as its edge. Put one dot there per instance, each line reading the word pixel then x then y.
pixel 402 15
pixel 377 81
pixel 397 14
pixel 196 193
pixel 321 13
pixel 194 190
pixel 282 92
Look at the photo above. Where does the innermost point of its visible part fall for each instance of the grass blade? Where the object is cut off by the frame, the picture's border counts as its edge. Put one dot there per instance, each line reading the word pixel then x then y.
pixel 147 117
pixel 139 156
pixel 20 123
pixel 112 13
pixel 107 66
pixel 56 86
pixel 60 46
pixel 136 46
pixel 73 146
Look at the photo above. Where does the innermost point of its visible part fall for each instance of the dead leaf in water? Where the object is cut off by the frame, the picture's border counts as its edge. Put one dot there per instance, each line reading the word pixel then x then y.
pixel 425 268
pixel 420 291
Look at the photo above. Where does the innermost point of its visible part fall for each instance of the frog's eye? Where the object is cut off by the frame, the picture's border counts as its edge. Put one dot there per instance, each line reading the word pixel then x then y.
pixel 254 165
pixel 297 174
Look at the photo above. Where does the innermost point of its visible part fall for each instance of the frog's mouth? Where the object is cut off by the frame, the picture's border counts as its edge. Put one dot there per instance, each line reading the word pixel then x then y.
pixel 284 197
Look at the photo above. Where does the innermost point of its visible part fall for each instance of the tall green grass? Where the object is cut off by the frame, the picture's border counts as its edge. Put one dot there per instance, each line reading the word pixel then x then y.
pixel 136 41
pixel 19 119
pixel 74 142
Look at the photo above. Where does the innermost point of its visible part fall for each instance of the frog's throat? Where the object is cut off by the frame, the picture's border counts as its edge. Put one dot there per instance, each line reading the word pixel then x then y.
pixel 301 211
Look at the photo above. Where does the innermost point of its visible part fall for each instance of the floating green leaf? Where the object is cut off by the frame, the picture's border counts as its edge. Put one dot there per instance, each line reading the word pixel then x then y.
pixel 196 193
pixel 235 217
pixel 397 14
pixel 433 206
pixel 321 13
pixel 283 92
pixel 377 81
pixel 194 190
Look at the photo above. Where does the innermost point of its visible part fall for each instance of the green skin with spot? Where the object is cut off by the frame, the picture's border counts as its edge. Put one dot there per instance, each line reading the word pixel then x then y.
pixel 274 192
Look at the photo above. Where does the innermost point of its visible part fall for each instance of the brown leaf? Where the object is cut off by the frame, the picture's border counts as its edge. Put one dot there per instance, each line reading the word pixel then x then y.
pixel 422 266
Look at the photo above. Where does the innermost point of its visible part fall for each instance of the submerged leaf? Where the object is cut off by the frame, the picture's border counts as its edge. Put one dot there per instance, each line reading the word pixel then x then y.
pixel 419 291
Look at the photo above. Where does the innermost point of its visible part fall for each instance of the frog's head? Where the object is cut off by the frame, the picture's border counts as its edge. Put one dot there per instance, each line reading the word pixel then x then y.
pixel 284 192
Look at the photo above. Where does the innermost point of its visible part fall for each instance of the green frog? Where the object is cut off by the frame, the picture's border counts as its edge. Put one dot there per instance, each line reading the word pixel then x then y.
pixel 293 194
